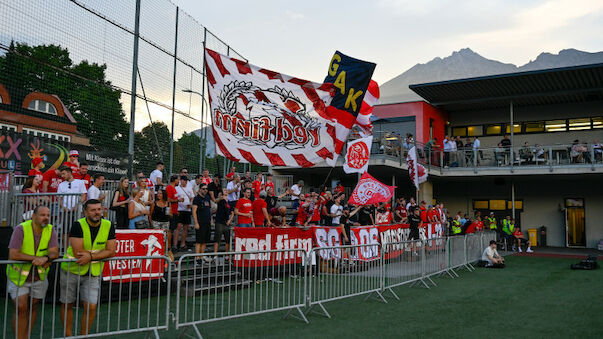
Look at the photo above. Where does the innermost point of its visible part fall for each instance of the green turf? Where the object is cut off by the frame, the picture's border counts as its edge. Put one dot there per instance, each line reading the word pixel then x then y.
pixel 532 297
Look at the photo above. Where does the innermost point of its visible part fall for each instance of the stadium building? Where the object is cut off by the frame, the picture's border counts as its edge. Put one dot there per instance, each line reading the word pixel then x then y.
pixel 551 174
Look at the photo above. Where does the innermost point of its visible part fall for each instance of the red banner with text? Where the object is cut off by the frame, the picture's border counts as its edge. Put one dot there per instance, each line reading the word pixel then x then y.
pixel 134 243
pixel 266 239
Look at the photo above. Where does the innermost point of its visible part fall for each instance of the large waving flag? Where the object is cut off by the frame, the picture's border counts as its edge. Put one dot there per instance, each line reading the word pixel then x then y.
pixel 416 171
pixel 363 120
pixel 370 191
pixel 264 117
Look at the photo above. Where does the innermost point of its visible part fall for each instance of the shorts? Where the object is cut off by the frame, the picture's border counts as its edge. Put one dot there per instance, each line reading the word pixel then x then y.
pixel 36 289
pixel 414 234
pixel 203 234
pixel 221 229
pixel 88 287
pixel 173 222
pixel 160 225
pixel 184 217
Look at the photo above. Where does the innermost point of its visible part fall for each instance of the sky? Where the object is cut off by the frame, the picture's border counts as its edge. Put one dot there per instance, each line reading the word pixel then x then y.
pixel 299 37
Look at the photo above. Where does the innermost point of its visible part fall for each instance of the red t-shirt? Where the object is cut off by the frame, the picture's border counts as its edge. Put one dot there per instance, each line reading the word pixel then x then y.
pixel 431 215
pixel 316 213
pixel 423 214
pixel 257 188
pixel 86 179
pixel 206 180
pixel 471 228
pixel 258 215
pixel 302 215
pixel 244 206
pixel 75 169
pixel 402 211
pixel 53 180
pixel 518 233
pixel 172 194
pixel 480 225
pixel 338 189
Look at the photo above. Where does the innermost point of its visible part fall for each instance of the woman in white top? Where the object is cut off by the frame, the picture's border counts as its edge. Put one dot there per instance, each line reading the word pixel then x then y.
pixel 147 196
pixel 137 210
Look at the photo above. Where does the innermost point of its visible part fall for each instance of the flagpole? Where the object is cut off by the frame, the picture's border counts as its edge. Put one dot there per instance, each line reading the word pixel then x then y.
pixel 414 141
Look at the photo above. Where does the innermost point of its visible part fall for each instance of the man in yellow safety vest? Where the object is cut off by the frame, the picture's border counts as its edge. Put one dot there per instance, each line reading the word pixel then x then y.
pixel 35 242
pixel 91 239
pixel 492 221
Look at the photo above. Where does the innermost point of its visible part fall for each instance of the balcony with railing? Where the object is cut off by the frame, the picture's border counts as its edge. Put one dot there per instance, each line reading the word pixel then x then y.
pixel 538 159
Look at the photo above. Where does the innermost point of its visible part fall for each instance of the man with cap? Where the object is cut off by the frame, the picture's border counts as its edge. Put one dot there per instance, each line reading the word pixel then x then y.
pixel 74 163
pixel 36 168
pixel 296 193
pixel 35 242
pixel 491 220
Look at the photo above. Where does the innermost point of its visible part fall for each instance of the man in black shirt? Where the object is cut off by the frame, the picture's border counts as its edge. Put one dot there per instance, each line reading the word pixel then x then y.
pixel 214 188
pixel 326 209
pixel 365 216
pixel 223 218
pixel 202 218
pixel 415 222
pixel 506 142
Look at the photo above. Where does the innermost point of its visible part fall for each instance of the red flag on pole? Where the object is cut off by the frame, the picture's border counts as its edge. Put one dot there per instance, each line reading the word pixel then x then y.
pixel 370 191
pixel 417 172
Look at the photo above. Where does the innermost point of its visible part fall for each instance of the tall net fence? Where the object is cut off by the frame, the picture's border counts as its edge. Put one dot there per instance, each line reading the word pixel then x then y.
pixel 82 52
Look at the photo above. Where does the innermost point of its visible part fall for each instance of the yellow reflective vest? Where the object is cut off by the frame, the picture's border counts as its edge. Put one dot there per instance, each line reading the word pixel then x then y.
pixel 100 242
pixel 456 227
pixel 508 227
pixel 18 273
pixel 492 222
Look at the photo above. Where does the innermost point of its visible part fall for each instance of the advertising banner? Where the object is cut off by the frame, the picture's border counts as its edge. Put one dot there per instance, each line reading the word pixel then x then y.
pixel 265 239
pixel 132 243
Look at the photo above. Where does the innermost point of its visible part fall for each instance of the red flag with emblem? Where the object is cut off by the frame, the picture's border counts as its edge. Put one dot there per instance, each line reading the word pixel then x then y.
pixel 370 191
pixel 357 155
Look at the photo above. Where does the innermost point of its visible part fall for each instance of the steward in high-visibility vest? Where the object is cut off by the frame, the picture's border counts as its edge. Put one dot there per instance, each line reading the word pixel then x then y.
pixel 456 227
pixel 492 221
pixel 95 267
pixel 18 273
pixel 508 226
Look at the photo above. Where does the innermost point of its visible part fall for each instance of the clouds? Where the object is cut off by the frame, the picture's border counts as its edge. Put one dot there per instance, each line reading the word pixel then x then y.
pixel 298 38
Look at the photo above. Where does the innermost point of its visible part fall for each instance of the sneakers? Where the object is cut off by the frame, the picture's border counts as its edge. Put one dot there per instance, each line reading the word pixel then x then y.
pixel 207 259
pixel 529 250
pixel 519 248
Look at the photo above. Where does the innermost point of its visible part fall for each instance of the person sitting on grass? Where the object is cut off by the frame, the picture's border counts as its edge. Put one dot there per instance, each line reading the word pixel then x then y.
pixel 491 256
pixel 520 239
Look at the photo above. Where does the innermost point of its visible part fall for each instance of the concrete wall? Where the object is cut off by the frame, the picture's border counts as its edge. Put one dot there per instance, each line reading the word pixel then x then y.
pixel 542 196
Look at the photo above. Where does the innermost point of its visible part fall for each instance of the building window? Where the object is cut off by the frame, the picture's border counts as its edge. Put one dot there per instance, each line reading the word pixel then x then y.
pixel 474 130
pixel 555 126
pixel 9 128
pixel 598 122
pixel 46 134
pixel 579 124
pixel 459 131
pixel 42 106
pixel 493 130
pixel 533 127
pixel 516 129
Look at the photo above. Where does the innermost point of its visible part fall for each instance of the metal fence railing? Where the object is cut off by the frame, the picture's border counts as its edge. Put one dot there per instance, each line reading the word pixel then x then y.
pixel 130 303
pixel 201 288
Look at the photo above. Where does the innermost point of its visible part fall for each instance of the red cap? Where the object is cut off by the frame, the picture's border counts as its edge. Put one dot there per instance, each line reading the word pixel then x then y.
pixel 230 175
pixel 36 161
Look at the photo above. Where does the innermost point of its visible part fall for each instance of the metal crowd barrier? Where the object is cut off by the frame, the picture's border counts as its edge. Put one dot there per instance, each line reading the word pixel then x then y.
pixel 127 303
pixel 210 288
pixel 64 210
pixel 219 286
pixel 342 272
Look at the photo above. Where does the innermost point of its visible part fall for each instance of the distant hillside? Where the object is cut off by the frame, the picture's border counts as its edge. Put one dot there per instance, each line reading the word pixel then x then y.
pixel 466 63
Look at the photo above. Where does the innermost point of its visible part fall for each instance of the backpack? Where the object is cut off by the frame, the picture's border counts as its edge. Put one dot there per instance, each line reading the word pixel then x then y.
pixel 589 263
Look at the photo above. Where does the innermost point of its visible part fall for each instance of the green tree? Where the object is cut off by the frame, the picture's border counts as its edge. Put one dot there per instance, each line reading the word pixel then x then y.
pixel 146 152
pixel 187 152
pixel 82 88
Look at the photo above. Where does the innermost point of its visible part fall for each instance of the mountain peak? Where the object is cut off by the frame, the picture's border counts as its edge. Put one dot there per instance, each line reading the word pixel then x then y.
pixel 466 63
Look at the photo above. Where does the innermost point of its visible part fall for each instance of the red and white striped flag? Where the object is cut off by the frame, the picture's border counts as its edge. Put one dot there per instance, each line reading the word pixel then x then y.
pixel 417 172
pixel 363 120
pixel 264 117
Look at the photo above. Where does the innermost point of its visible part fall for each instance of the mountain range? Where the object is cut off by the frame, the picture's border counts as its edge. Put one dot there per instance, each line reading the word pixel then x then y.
pixel 465 63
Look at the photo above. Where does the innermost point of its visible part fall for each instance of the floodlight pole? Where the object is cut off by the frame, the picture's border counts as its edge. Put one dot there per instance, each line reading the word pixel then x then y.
pixel 133 88
pixel 174 93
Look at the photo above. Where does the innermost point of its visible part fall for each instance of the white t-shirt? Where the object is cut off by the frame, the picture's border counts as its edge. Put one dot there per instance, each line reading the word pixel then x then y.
pixel 76 186
pixel 476 144
pixel 146 197
pixel 188 195
pixel 234 196
pixel 489 252
pixel 452 145
pixel 446 145
pixel 296 191
pixel 93 193
pixel 156 174
pixel 336 210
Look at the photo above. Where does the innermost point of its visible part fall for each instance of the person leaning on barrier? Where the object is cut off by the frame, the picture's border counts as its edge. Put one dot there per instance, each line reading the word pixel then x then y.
pixel 491 258
pixel 91 239
pixel 36 242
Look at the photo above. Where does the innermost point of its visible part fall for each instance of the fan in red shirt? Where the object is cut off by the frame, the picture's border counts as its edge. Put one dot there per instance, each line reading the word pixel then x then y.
pixel 472 227
pixel 269 183
pixel 400 214
pixel 302 213
pixel 37 164
pixel 172 195
pixel 479 224
pixel 257 185
pixel 316 208
pixel 206 179
pixel 51 180
pixel 432 215
pixel 383 215
pixel 73 163
pixel 423 211
pixel 338 189
pixel 85 177
pixel 243 210
pixel 260 211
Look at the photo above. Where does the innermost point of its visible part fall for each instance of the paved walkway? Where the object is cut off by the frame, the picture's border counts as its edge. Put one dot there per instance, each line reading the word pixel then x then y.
pixel 562 252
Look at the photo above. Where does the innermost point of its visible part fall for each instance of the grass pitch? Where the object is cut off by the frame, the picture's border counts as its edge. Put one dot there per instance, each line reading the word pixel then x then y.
pixel 531 297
